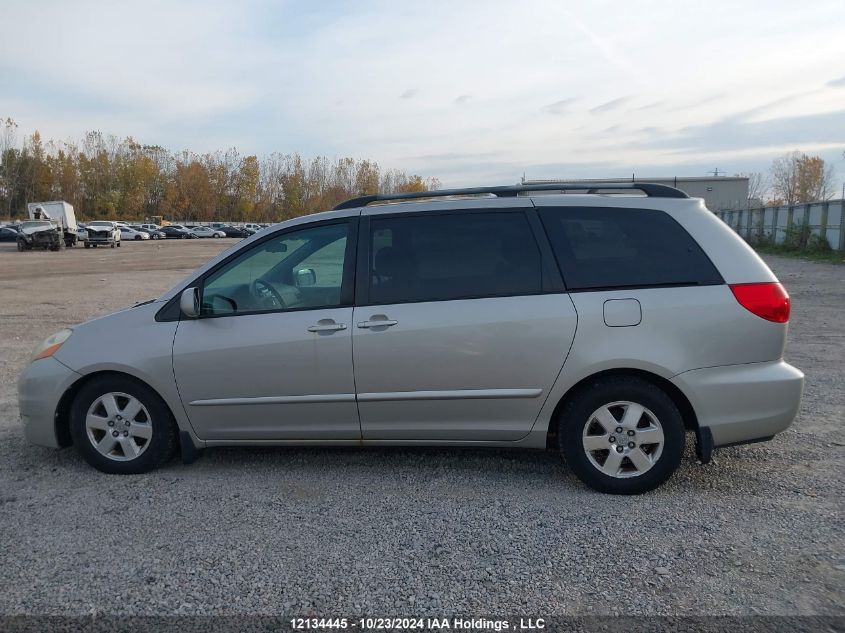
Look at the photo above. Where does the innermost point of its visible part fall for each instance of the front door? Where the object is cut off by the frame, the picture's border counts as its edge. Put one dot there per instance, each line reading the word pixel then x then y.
pixel 461 338
pixel 270 357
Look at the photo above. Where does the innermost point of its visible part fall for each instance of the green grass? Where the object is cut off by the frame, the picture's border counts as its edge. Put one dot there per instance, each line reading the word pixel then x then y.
pixel 827 257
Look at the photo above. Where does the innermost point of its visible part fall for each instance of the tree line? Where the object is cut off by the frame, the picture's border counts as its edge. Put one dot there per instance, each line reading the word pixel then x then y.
pixel 103 176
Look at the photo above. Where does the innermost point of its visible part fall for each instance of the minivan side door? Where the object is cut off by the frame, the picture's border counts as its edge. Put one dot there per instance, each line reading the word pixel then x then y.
pixel 461 323
pixel 270 357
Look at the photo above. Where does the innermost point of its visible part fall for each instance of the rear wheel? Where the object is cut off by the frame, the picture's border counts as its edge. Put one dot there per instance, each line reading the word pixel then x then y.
pixel 622 435
pixel 121 426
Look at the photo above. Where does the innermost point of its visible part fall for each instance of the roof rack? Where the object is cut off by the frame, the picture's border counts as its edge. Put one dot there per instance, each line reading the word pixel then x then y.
pixel 509 191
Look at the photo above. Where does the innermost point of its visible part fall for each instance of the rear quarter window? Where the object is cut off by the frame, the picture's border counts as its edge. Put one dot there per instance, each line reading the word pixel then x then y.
pixel 603 247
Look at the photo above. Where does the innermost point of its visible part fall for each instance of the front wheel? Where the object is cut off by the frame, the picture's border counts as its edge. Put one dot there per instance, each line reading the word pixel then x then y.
pixel 622 435
pixel 121 426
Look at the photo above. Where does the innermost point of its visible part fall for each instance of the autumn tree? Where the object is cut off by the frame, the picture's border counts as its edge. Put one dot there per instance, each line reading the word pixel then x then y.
pixel 798 178
pixel 107 177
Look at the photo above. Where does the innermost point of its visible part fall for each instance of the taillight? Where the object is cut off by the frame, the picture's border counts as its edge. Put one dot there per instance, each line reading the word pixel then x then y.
pixel 767 300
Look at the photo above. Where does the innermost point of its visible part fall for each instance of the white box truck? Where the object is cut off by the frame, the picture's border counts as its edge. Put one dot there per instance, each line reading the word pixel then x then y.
pixel 58 210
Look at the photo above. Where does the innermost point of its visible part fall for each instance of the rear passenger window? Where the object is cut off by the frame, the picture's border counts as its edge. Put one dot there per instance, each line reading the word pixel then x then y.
pixel 454 256
pixel 598 247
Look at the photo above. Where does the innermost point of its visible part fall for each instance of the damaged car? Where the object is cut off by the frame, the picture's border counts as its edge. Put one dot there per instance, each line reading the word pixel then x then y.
pixel 102 233
pixel 44 234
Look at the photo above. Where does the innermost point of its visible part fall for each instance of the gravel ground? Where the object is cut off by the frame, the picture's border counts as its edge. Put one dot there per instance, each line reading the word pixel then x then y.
pixel 411 531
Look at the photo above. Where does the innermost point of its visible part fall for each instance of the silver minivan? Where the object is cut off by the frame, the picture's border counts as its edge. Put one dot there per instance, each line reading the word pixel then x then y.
pixel 603 321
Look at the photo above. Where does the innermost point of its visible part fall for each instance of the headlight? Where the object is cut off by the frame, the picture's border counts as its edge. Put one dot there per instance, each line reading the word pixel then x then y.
pixel 51 344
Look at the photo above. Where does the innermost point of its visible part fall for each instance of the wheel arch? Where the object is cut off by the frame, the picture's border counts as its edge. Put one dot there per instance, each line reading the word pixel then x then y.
pixel 681 401
pixel 62 416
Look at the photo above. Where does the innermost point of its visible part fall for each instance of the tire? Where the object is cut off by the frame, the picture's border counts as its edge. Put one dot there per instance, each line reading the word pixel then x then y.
pixel 87 245
pixel 616 396
pixel 138 238
pixel 154 419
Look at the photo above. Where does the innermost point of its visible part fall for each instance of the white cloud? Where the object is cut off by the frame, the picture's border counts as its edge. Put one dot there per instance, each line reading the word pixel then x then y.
pixel 328 78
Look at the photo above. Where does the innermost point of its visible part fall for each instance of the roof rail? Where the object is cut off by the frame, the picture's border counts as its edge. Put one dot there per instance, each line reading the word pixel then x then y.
pixel 509 191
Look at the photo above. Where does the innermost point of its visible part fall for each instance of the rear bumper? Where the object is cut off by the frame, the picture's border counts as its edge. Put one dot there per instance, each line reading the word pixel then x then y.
pixel 40 387
pixel 743 403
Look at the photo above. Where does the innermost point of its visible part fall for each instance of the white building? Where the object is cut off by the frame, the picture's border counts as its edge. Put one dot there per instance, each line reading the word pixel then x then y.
pixel 719 192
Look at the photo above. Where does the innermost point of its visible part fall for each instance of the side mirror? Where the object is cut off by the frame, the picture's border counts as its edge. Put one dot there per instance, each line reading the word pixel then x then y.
pixel 189 302
pixel 305 277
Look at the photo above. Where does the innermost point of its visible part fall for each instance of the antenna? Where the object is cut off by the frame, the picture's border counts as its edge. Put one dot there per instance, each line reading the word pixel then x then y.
pixel 715 172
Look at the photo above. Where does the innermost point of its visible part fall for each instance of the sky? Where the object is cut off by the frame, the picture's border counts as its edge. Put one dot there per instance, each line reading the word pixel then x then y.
pixel 473 93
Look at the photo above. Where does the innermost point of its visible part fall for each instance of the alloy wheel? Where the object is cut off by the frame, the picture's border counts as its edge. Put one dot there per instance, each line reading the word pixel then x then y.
pixel 623 439
pixel 119 426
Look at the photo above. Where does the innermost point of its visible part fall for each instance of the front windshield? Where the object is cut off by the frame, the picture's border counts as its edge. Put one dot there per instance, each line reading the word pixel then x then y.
pixel 35 223
pixel 100 224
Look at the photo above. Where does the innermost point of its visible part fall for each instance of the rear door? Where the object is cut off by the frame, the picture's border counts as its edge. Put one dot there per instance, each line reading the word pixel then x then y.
pixel 460 324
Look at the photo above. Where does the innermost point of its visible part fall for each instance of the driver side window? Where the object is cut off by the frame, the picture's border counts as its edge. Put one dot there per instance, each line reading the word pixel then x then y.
pixel 297 270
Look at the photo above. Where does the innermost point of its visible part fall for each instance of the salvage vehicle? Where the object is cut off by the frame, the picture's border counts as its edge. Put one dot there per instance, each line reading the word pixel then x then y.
pixel 607 324
pixel 102 233
pixel 44 234
pixel 61 212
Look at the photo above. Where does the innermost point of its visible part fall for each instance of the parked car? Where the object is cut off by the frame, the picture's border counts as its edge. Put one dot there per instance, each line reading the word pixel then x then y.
pixel 81 232
pixel 150 227
pixel 186 229
pixel 235 231
pixel 605 326
pixel 175 232
pixel 128 233
pixel 252 226
pixel 8 235
pixel 102 233
pixel 206 231
pixel 153 234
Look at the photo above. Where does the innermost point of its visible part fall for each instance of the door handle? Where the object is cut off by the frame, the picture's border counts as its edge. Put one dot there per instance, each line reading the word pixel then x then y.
pixel 327 327
pixel 377 323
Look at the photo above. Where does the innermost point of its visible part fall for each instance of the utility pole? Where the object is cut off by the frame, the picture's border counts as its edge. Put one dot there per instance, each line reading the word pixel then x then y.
pixel 715 172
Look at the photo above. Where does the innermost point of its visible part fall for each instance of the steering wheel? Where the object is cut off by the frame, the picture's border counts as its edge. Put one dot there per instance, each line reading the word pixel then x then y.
pixel 266 294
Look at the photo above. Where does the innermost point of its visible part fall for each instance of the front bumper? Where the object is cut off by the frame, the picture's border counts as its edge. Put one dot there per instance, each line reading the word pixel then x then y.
pixel 40 387
pixel 743 403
